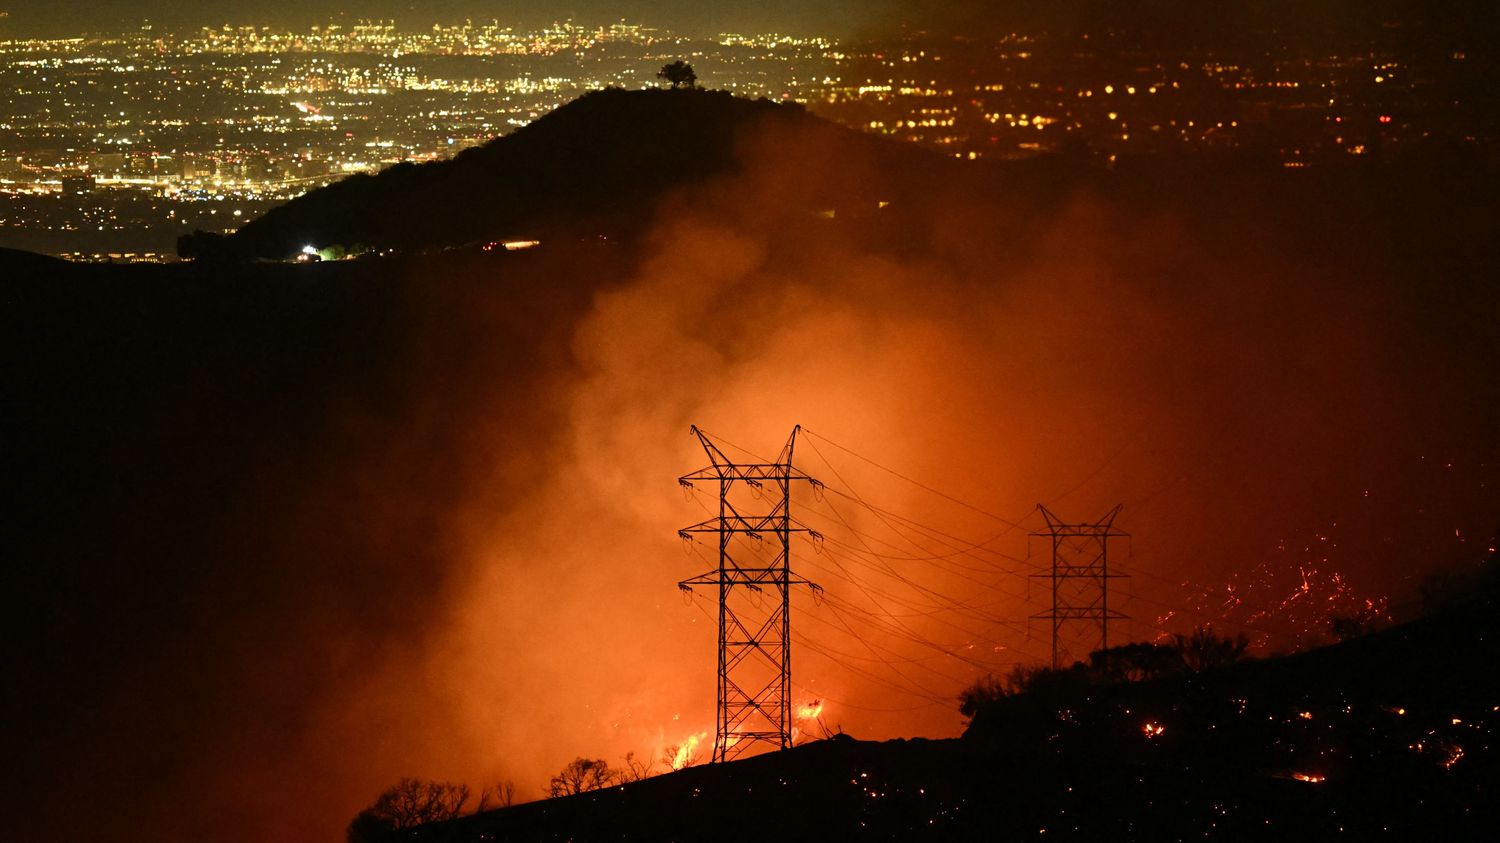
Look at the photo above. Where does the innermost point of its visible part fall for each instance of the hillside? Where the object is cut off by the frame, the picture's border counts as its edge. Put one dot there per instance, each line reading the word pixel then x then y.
pixel 1389 736
pixel 597 165
pixel 285 534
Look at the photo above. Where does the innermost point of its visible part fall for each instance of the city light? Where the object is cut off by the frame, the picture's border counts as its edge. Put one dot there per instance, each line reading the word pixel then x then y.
pixel 278 112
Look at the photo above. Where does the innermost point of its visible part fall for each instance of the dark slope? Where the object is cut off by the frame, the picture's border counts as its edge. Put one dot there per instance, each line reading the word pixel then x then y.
pixel 15 263
pixel 1400 730
pixel 597 165
pixel 229 490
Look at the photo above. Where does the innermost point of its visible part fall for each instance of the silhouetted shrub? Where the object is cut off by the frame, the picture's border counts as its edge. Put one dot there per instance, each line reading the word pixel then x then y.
pixel 1203 650
pixel 199 244
pixel 410 803
pixel 1359 622
pixel 581 775
pixel 1134 662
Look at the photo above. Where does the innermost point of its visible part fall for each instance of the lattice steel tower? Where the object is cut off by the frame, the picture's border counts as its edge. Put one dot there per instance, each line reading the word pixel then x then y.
pixel 754 579
pixel 1080 575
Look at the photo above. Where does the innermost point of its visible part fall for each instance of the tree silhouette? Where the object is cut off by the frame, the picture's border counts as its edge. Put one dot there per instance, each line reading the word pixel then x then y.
pixel 680 74
pixel 984 691
pixel 411 802
pixel 635 769
pixel 1135 662
pixel 582 774
pixel 689 756
pixel 1022 679
pixel 1203 650
pixel 199 244
pixel 502 795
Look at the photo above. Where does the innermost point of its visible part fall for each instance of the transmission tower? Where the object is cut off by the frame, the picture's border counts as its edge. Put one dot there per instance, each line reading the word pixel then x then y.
pixel 754 579
pixel 1080 576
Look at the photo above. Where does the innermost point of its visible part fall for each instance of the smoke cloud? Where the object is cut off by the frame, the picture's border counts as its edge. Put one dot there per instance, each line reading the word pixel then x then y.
pixel 448 549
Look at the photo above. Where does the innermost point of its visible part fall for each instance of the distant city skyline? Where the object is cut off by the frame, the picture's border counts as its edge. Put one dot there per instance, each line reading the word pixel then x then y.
pixel 30 18
pixel 1473 24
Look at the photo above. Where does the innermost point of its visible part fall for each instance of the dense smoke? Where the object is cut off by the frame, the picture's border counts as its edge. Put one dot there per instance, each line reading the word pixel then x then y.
pixel 448 549
pixel 1250 401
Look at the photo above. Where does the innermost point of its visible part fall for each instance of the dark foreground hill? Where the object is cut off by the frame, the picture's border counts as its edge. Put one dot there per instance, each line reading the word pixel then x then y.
pixel 1393 736
pixel 597 165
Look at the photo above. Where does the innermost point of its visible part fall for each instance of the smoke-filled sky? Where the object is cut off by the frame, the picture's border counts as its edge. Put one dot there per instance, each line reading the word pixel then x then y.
pixel 295 536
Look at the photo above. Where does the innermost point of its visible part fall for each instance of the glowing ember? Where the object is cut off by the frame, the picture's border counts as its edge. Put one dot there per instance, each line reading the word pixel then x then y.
pixel 1454 753
pixel 1287 599
pixel 1151 730
pixel 1312 778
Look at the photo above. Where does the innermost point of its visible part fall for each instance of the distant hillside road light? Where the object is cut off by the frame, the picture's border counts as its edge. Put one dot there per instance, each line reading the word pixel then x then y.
pixel 511 245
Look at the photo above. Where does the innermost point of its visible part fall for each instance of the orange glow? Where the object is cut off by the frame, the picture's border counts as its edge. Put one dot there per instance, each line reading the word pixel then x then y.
pixel 811 711
pixel 1311 778
pixel 524 501
pixel 687 753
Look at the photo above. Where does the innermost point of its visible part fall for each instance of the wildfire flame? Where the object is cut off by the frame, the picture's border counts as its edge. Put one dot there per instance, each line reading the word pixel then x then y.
pixel 687 752
pixel 811 711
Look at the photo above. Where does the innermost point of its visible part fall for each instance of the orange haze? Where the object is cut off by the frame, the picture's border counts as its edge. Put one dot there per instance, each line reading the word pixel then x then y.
pixel 1253 382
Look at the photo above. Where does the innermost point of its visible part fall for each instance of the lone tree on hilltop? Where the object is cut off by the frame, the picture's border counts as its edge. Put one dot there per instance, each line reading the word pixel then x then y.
pixel 680 74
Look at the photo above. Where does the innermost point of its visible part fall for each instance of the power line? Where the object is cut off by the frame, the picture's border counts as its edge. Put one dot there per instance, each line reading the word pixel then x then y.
pixel 912 543
pixel 919 484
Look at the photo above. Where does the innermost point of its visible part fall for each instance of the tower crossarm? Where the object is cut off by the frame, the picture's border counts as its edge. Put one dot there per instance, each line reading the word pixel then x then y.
pixel 746 577
pixel 1082 613
pixel 748 472
pixel 1084 531
pixel 743 524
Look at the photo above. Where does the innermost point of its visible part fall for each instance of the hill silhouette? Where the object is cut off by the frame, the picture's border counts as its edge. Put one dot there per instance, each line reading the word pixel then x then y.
pixel 1393 734
pixel 597 165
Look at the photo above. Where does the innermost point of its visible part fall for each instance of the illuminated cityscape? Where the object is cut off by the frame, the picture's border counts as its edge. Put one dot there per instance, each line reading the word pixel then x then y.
pixel 112 146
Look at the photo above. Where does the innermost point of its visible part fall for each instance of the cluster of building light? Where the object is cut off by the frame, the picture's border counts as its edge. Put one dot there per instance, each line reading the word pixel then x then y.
pixel 279 112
